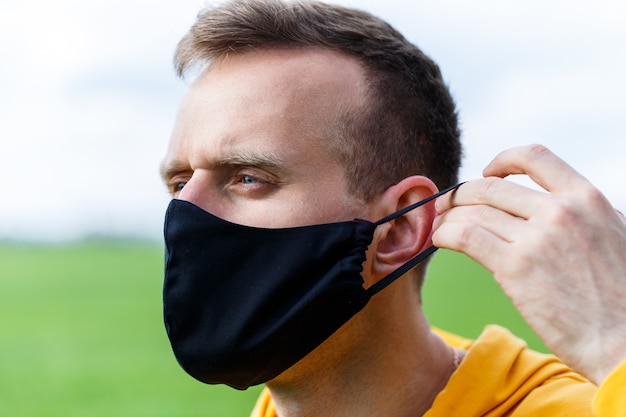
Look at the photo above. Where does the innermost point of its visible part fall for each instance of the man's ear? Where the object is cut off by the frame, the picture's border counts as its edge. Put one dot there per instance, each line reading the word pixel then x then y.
pixel 406 236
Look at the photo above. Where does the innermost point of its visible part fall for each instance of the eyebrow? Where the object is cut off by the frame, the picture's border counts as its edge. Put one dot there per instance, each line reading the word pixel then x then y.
pixel 169 168
pixel 266 161
pixel 269 162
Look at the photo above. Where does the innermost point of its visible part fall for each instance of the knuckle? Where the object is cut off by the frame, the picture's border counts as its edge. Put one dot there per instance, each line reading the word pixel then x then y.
pixel 537 151
pixel 456 236
pixel 482 214
pixel 465 236
pixel 561 212
pixel 489 186
pixel 592 197
pixel 566 210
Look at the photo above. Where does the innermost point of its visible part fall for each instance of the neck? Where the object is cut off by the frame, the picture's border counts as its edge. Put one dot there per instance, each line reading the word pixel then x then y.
pixel 376 364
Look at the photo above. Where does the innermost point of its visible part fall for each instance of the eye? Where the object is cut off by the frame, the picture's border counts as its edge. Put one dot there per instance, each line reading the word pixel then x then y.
pixel 175 187
pixel 252 183
pixel 248 179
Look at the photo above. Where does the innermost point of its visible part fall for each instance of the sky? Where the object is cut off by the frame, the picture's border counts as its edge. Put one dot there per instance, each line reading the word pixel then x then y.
pixel 88 98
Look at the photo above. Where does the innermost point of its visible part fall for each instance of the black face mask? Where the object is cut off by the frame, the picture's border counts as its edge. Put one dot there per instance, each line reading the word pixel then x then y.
pixel 243 304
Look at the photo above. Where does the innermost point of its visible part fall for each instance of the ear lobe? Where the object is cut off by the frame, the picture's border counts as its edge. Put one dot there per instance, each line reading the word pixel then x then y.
pixel 407 235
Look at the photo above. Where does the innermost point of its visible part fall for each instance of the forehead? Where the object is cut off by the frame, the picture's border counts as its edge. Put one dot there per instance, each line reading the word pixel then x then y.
pixel 270 97
pixel 284 74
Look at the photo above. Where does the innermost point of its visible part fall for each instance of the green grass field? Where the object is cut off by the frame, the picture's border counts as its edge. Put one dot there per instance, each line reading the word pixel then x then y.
pixel 82 333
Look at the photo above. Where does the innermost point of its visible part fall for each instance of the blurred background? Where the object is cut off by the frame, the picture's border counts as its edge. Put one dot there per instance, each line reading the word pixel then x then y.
pixel 88 97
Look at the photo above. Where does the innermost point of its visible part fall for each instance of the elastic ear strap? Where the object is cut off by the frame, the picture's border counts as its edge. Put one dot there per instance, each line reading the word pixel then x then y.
pixel 400 271
pixel 416 205
pixel 420 256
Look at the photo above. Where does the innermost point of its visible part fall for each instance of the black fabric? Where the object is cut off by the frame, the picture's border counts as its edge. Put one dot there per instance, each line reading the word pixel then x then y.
pixel 235 296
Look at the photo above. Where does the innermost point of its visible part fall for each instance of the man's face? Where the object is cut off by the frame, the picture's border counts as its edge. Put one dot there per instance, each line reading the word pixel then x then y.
pixel 252 142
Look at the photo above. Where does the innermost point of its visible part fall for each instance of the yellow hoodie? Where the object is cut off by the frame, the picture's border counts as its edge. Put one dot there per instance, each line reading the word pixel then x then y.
pixel 500 376
pixel 610 400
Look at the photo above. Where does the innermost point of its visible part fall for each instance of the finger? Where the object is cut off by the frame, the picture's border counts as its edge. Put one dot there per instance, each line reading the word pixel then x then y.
pixel 503 225
pixel 540 164
pixel 476 242
pixel 514 199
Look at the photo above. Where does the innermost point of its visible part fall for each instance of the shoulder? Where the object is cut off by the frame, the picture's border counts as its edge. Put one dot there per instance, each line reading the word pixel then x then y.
pixel 501 376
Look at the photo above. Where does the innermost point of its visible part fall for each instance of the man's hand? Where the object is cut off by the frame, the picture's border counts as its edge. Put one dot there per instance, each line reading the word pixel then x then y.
pixel 559 255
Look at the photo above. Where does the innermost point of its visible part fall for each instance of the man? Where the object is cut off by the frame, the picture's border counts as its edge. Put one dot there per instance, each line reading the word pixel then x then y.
pixel 303 117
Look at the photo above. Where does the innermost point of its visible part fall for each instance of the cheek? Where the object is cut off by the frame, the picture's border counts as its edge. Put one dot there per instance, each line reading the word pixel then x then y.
pixel 327 205
pixel 302 208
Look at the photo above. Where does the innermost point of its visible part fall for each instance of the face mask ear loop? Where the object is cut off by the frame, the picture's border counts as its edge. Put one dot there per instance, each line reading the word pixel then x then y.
pixel 400 271
pixel 405 210
pixel 417 259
